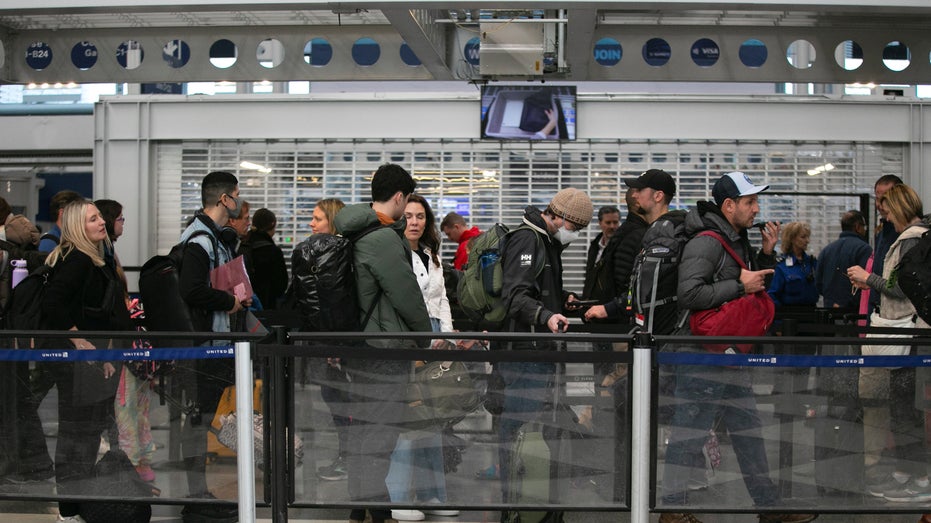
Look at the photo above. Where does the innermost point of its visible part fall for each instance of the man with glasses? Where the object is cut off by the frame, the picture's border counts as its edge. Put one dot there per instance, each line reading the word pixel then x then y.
pixel 532 288
pixel 850 249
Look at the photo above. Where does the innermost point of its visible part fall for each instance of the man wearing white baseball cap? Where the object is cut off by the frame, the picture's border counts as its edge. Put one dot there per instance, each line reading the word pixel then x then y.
pixel 733 185
pixel 709 277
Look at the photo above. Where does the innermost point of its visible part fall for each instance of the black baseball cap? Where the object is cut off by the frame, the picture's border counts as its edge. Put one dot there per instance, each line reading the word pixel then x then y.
pixel 657 179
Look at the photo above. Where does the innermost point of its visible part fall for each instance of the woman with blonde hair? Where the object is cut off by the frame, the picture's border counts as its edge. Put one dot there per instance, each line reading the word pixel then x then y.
pixel 333 387
pixel 896 389
pixel 794 278
pixel 83 293
pixel 324 213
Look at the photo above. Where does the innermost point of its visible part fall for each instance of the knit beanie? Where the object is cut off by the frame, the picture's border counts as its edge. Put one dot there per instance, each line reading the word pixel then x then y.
pixel 573 205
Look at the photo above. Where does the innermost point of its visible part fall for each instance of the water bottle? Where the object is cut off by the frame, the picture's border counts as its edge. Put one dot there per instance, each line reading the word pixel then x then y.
pixel 19 271
pixel 488 261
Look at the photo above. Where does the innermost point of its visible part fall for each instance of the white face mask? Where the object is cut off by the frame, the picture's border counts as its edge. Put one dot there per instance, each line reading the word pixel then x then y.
pixel 565 236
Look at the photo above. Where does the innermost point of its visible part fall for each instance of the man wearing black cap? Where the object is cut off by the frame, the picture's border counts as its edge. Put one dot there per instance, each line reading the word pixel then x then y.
pixel 708 277
pixel 653 190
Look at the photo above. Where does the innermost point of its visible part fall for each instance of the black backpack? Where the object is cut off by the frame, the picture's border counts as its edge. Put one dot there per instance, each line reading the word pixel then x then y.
pixel 533 117
pixel 10 251
pixel 914 276
pixel 114 476
pixel 23 310
pixel 160 287
pixel 323 283
pixel 655 275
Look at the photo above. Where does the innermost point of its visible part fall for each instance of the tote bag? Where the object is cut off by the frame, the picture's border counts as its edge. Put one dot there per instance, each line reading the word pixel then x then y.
pixel 907 322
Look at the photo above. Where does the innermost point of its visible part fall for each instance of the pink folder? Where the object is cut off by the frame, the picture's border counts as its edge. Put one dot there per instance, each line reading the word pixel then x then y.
pixel 232 278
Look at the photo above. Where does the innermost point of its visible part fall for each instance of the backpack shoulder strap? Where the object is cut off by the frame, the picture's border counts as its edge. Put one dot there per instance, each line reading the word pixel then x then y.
pixel 364 232
pixel 50 236
pixel 727 247
pixel 353 239
pixel 213 243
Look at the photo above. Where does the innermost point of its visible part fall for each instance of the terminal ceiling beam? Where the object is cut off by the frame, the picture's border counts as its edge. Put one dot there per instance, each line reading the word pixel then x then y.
pixel 426 38
pixel 580 40
pixel 717 31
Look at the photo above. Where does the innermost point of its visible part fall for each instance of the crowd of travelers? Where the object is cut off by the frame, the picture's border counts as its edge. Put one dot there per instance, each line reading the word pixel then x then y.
pixel 402 285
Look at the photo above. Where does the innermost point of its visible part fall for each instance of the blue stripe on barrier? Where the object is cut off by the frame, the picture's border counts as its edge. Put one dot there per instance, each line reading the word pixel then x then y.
pixel 772 360
pixel 175 353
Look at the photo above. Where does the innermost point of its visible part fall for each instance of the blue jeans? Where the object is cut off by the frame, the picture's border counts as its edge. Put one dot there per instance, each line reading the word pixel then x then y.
pixel 704 394
pixel 417 459
pixel 528 390
pixel 423 452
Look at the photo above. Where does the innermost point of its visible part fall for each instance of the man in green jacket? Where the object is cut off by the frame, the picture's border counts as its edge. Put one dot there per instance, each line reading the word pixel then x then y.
pixel 387 287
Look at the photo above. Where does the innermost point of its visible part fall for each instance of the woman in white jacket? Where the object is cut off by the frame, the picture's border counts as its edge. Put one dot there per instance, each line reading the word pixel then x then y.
pixel 422 450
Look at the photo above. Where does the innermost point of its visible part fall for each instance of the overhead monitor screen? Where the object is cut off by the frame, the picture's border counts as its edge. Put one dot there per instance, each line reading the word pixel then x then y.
pixel 524 112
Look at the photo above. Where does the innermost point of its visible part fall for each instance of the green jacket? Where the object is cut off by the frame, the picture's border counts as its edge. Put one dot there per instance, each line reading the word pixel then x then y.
pixel 383 261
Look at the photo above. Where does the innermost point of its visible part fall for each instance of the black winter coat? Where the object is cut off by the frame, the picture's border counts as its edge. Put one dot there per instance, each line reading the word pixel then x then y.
pixel 531 299
pixel 624 247
pixel 267 270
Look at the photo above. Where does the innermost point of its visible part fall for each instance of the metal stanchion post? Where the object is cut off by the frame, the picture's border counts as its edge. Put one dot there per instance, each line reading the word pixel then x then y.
pixel 245 460
pixel 277 431
pixel 644 344
pixel 787 418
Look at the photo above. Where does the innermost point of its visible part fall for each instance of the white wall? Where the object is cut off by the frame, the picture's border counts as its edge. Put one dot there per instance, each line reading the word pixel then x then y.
pixel 123 129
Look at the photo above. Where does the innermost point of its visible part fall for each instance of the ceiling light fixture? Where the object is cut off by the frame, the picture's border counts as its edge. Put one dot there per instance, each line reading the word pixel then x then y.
pixel 254 167
pixel 821 169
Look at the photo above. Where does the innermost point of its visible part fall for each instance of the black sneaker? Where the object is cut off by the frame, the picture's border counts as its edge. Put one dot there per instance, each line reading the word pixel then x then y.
pixel 33 476
pixel 334 471
pixel 203 513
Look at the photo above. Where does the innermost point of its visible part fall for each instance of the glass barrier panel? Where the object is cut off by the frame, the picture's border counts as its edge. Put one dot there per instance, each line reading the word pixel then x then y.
pixel 126 433
pixel 442 435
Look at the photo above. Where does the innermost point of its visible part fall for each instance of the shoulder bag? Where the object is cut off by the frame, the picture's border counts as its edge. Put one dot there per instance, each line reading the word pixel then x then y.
pixel 749 315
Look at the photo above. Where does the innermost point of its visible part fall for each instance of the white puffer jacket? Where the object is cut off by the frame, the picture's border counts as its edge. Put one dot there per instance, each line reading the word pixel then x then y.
pixel 433 288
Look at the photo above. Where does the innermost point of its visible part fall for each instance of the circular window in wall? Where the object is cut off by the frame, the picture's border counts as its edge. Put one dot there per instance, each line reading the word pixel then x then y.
pixel 801 54
pixel 408 56
pixel 366 52
pixel 223 54
pixel 38 55
pixel 130 54
pixel 896 56
pixel 753 53
pixel 656 52
pixel 270 53
pixel 84 55
pixel 849 55
pixel 608 52
pixel 176 53
pixel 318 52
pixel 705 52
pixel 472 50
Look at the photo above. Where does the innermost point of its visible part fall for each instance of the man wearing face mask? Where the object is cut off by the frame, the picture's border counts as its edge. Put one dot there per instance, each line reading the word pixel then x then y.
pixel 211 309
pixel 536 302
